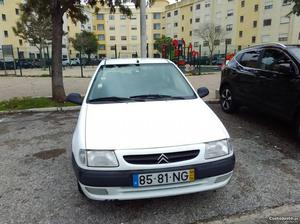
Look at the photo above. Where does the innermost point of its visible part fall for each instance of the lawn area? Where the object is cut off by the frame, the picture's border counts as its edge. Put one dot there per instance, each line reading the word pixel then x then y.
pixel 29 102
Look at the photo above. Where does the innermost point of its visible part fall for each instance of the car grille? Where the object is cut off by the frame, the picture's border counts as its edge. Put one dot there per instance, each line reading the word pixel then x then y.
pixel 160 158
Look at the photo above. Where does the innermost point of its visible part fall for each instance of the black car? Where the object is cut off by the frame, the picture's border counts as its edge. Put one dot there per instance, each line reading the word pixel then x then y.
pixel 266 77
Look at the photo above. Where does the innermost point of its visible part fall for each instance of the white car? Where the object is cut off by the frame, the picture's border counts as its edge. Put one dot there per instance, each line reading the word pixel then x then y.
pixel 74 61
pixel 144 132
pixel 65 62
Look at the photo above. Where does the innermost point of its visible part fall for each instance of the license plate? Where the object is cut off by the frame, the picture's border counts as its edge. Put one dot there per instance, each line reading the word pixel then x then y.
pixel 172 177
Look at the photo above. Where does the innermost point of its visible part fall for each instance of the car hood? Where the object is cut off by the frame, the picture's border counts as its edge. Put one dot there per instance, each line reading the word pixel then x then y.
pixel 151 124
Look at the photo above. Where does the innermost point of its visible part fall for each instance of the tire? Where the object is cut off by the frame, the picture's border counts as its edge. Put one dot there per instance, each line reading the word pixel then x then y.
pixel 228 104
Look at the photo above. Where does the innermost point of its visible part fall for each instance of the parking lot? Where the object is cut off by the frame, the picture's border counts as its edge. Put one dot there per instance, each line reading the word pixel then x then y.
pixel 38 184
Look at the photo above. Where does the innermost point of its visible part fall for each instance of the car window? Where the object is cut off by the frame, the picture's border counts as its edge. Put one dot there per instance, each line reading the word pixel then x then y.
pixel 295 51
pixel 139 79
pixel 250 59
pixel 272 59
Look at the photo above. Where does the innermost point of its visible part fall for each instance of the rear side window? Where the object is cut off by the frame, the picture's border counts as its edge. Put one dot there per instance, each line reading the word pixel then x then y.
pixel 272 59
pixel 250 59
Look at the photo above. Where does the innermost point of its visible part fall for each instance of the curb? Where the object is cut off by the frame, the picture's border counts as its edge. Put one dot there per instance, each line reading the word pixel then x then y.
pixel 64 109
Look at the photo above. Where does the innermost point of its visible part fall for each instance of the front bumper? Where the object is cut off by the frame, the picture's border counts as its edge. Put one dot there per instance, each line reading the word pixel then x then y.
pixel 112 185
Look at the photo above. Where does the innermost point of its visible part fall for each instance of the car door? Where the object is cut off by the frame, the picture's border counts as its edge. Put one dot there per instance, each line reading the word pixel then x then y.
pixel 246 80
pixel 278 82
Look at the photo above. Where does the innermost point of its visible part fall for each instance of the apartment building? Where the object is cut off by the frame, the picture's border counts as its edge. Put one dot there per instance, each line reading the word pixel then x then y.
pixel 119 34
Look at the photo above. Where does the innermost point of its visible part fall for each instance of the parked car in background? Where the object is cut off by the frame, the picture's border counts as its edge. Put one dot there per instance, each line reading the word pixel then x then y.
pixel 65 62
pixel 265 77
pixel 144 132
pixel 74 61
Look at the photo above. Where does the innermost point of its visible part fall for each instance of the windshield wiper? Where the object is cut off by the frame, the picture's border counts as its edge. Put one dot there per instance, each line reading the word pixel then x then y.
pixel 156 96
pixel 110 98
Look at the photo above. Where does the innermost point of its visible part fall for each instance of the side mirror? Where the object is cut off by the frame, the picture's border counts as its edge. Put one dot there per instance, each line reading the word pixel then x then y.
pixel 74 98
pixel 286 68
pixel 202 92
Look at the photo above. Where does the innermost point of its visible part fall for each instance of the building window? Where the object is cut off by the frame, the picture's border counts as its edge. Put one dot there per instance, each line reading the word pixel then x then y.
pixel 182 29
pixel 191 8
pixel 68 28
pixel 175 36
pixel 101 37
pixel 123 38
pixel 156 15
pixel 198 6
pixel 175 24
pixel 239 47
pixel 256 8
pixel 20 42
pixel 254 23
pixel 175 12
pixel 1 2
pixel 112 38
pixel 182 17
pixel 122 17
pixel 113 47
pixel 268 4
pixel 191 33
pixel 241 34
pixel 156 36
pixel 100 27
pixel 111 17
pixel 283 37
pixel 218 29
pixel 228 41
pixel 191 21
pixel 197 20
pixel 230 12
pixel 196 44
pixel 5 33
pixel 241 19
pixel 133 18
pixel 216 42
pixel 100 16
pixel 207 4
pixel 124 48
pixel 112 28
pixel 286 2
pixel 242 4
pixel 17 11
pixel 168 14
pixel 267 22
pixel 156 26
pixel 205 43
pixel 3 17
pixel 101 47
pixel 133 27
pixel 133 37
pixel 229 27
pixel 284 19
pixel 253 39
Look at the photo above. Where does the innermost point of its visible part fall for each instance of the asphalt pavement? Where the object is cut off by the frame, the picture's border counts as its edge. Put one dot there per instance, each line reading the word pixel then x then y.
pixel 38 184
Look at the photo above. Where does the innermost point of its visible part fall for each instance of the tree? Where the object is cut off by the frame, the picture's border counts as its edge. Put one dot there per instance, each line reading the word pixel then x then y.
pixel 211 35
pixel 34 27
pixel 296 7
pixel 162 41
pixel 86 43
pixel 56 9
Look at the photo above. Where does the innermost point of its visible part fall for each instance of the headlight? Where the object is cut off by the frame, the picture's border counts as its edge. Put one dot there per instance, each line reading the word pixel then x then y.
pixel 102 159
pixel 217 149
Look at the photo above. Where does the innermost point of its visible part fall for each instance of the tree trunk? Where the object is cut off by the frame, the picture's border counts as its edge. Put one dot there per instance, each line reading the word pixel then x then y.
pixel 58 91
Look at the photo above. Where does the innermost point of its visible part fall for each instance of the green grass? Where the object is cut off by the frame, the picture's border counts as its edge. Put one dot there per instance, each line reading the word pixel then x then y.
pixel 29 102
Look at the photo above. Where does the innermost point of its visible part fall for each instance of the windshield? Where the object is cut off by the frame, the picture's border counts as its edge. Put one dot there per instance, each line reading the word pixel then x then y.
pixel 296 52
pixel 139 82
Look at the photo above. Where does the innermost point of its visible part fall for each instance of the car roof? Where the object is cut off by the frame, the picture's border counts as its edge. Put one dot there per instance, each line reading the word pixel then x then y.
pixel 120 61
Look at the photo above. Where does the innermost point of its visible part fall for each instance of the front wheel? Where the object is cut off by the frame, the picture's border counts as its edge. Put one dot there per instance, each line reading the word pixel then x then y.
pixel 227 101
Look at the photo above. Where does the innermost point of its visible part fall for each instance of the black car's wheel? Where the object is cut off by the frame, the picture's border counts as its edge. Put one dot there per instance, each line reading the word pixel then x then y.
pixel 227 101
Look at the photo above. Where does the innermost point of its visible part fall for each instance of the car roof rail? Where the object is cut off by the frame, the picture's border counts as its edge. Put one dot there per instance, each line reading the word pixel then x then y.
pixel 267 44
